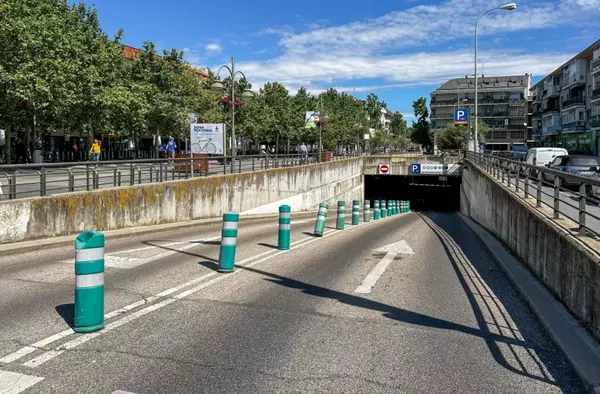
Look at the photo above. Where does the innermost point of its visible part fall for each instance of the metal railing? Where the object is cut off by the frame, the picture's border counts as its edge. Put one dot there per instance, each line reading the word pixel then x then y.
pixel 30 180
pixel 568 196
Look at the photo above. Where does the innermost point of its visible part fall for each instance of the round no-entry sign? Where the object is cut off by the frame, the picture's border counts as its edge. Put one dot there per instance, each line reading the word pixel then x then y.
pixel 384 169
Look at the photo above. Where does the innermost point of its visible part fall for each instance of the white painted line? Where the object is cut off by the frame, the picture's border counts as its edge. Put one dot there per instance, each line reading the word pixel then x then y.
pixel 373 276
pixel 249 262
pixel 122 392
pixel 14 383
pixel 298 221
pixel 38 345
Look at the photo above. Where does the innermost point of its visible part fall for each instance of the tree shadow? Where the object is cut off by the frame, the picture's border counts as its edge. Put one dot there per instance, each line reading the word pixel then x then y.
pixel 268 245
pixel 67 312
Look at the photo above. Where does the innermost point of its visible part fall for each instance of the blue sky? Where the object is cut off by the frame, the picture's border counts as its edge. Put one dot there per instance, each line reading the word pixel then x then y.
pixel 400 50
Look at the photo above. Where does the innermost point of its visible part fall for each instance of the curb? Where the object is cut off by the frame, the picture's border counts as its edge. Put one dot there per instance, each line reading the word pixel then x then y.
pixel 36 244
pixel 576 343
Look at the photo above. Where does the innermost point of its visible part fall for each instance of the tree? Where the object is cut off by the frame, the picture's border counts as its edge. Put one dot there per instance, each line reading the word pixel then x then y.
pixel 374 107
pixel 453 137
pixel 398 126
pixel 420 129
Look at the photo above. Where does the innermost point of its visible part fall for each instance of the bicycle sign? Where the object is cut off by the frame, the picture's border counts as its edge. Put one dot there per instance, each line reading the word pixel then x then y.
pixel 207 138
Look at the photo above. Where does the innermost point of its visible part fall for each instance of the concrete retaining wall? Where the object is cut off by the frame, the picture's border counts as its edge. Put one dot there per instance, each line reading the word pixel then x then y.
pixel 568 267
pixel 177 201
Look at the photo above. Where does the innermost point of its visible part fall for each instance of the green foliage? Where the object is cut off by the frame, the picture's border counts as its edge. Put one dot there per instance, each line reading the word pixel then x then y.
pixel 420 129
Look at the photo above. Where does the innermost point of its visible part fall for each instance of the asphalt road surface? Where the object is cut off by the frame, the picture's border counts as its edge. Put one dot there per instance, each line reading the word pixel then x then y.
pixel 409 304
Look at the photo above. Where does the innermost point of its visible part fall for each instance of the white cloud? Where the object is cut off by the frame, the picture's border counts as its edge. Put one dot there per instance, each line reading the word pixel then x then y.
pixel 213 48
pixel 192 56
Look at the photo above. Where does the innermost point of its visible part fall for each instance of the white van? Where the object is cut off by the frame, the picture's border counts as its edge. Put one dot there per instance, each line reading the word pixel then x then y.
pixel 542 156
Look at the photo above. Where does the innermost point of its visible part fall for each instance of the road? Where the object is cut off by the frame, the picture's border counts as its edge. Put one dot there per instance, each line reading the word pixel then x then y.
pixel 412 303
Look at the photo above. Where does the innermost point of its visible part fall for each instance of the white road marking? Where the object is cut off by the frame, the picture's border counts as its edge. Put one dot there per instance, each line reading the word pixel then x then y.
pixel 249 262
pixel 391 251
pixel 373 276
pixel 114 260
pixel 14 383
pixel 298 221
pixel 122 392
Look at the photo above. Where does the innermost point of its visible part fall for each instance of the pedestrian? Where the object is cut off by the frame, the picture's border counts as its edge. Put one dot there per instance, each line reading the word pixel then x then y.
pixel 171 148
pixel 304 152
pixel 20 151
pixel 95 150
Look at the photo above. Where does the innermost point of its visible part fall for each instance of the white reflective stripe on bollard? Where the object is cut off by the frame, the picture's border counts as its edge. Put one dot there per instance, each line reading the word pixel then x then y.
pixel 285 215
pixel 229 241
pixel 89 254
pixel 285 226
pixel 230 225
pixel 322 210
pixel 90 280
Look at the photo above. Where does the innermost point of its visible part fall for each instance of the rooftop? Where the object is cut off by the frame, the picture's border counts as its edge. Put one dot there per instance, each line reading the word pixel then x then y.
pixel 510 81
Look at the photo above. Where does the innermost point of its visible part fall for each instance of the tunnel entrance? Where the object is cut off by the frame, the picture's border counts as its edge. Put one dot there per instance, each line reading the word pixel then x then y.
pixel 425 192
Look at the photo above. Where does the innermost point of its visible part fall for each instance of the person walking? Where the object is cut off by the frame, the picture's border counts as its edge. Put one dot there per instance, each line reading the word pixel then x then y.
pixel 95 150
pixel 171 148
pixel 304 152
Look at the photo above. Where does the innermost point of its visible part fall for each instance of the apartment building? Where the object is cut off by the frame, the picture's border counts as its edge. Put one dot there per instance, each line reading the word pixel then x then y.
pixel 503 105
pixel 386 119
pixel 566 104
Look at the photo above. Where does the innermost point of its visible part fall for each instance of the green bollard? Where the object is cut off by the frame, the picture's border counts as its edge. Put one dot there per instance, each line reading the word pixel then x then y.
pixel 321 218
pixel 367 211
pixel 229 235
pixel 341 215
pixel 383 209
pixel 285 221
pixel 393 207
pixel 376 210
pixel 355 212
pixel 408 206
pixel 389 209
pixel 89 282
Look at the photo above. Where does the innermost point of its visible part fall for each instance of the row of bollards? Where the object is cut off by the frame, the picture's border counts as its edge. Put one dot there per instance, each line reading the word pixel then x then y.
pixel 89 253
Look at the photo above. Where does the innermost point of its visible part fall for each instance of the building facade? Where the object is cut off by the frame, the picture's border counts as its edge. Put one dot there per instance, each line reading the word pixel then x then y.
pixel 503 105
pixel 566 104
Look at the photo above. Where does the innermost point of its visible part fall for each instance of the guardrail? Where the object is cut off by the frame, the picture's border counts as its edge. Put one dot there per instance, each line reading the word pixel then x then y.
pixel 571 196
pixel 30 180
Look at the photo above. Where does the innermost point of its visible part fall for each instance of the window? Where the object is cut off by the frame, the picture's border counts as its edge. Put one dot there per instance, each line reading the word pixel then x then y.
pixel 580 115
pixel 583 161
pixel 557 161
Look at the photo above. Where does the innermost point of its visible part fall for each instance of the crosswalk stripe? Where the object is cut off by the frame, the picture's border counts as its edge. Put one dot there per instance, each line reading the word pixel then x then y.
pixel 14 383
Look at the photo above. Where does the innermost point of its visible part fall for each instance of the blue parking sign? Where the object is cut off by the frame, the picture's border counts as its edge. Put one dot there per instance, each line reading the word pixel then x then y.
pixel 461 116
pixel 415 168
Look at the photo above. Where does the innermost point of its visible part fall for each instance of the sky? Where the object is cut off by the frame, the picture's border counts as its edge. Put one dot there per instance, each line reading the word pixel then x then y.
pixel 399 50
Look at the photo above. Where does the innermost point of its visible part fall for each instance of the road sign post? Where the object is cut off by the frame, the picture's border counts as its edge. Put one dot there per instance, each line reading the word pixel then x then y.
pixel 89 282
pixel 229 235
pixel 285 221
pixel 321 218
pixel 341 215
pixel 355 212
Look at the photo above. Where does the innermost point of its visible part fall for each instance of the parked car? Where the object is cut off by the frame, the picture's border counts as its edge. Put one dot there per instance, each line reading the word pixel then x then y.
pixel 542 156
pixel 575 165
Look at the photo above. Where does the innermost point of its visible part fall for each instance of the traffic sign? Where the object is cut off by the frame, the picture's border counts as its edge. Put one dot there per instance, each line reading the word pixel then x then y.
pixel 384 169
pixel 415 168
pixel 461 116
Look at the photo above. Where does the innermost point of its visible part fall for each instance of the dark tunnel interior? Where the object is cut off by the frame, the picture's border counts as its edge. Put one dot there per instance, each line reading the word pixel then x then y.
pixel 425 192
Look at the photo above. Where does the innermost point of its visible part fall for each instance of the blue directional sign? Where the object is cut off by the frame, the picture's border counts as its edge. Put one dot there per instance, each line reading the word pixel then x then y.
pixel 414 168
pixel 461 116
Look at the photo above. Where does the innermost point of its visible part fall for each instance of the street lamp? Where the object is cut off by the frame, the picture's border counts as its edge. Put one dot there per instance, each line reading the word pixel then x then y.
pixel 506 7
pixel 323 118
pixel 247 95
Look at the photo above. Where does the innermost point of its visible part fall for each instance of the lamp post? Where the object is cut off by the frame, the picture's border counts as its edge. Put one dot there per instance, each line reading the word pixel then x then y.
pixel 247 95
pixel 323 118
pixel 506 7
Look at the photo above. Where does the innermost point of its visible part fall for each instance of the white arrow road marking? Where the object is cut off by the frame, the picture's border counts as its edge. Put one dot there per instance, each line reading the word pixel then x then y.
pixel 391 251
pixel 14 383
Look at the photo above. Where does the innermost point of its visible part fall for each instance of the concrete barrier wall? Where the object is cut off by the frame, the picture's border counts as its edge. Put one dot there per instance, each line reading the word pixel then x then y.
pixel 177 201
pixel 568 267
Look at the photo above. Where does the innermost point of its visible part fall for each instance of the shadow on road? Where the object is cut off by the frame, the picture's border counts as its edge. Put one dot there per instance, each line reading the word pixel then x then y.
pixel 268 245
pixel 156 245
pixel 67 312
pixel 492 339
pixel 497 297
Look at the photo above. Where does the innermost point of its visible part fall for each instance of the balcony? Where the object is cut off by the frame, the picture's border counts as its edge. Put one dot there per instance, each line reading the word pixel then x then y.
pixel 595 94
pixel 550 129
pixel 571 80
pixel 548 111
pixel 572 102
pixel 577 126
pixel 596 66
pixel 595 120
pixel 552 91
pixel 537 99
pixel 442 116
pixel 537 114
